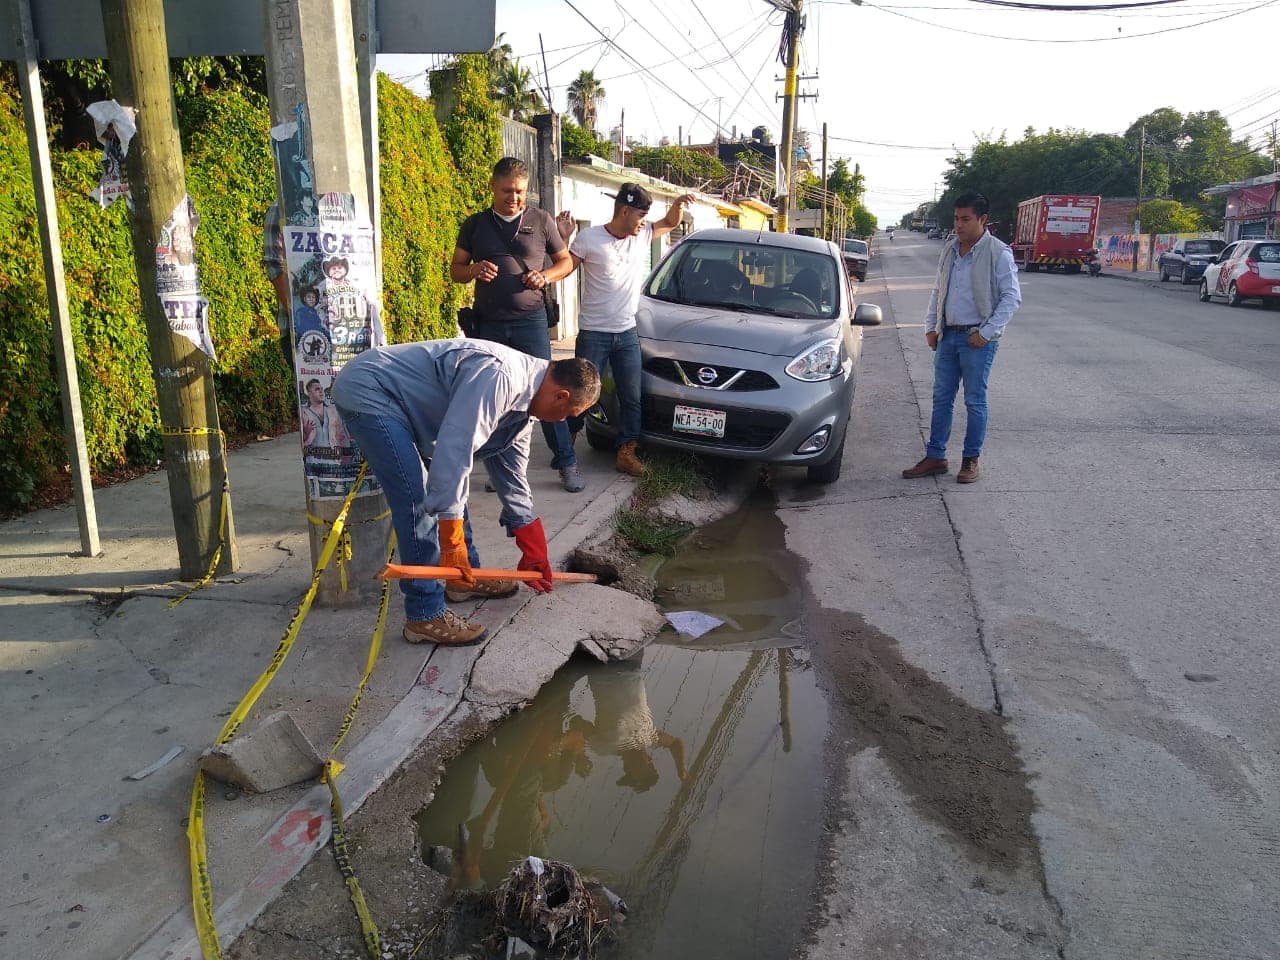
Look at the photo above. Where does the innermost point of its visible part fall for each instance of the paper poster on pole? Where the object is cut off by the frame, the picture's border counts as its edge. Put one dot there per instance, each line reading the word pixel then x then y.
pixel 178 278
pixel 336 316
pixel 114 127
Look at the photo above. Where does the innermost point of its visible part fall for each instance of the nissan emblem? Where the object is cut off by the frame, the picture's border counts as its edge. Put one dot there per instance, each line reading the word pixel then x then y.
pixel 707 375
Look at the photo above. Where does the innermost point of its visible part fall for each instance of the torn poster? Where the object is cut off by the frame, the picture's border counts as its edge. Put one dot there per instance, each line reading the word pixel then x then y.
pixel 114 127
pixel 336 316
pixel 178 279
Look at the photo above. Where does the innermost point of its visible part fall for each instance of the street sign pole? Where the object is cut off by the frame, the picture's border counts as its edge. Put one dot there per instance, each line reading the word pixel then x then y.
pixel 54 278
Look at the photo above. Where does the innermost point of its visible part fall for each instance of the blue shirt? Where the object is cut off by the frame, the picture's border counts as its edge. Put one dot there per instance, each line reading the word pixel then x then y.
pixel 463 400
pixel 962 310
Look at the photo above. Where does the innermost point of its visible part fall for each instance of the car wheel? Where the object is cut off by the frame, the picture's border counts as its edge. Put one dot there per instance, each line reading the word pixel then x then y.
pixel 1164 277
pixel 598 439
pixel 828 472
pixel 1204 291
pixel 1233 296
pixel 1182 277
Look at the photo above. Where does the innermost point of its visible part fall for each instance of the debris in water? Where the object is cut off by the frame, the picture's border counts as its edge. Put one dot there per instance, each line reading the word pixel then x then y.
pixel 692 623
pixel 173 753
pixel 546 904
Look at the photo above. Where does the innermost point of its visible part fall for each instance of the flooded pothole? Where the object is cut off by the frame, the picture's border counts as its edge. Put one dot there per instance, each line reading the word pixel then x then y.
pixel 690 781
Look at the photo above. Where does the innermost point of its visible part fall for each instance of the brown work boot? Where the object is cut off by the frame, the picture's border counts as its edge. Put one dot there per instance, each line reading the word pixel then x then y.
pixel 446 630
pixel 968 472
pixel 627 461
pixel 455 591
pixel 928 467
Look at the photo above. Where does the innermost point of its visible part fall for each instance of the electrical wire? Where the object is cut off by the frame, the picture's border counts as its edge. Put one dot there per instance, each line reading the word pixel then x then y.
pixel 896 146
pixel 1128 36
pixel 1075 7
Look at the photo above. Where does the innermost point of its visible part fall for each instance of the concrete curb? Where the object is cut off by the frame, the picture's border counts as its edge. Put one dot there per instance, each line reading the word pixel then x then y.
pixel 306 827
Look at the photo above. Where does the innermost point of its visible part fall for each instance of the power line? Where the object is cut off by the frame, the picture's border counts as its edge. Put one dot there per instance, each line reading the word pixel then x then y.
pixel 896 146
pixel 1075 7
pixel 1128 36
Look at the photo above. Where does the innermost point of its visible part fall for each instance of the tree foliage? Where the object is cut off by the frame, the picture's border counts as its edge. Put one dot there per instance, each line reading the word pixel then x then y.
pixel 231 179
pixel 586 95
pixel 575 141
pixel 472 131
pixel 1184 155
pixel 1170 216
pixel 681 165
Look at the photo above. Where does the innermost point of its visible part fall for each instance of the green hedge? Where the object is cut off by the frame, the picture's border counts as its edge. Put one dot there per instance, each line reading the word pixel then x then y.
pixel 230 177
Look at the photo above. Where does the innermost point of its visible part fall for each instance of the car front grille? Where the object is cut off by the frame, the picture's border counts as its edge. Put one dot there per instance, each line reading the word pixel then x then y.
pixel 744 428
pixel 746 380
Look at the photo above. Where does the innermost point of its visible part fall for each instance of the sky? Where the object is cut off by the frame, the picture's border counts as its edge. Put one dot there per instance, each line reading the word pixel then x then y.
pixel 901 84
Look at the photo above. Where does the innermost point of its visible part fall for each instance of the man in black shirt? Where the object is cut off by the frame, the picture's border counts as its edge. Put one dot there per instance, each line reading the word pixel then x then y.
pixel 504 249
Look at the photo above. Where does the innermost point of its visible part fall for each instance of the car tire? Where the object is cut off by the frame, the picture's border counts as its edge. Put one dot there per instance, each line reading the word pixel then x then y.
pixel 828 472
pixel 1205 296
pixel 1233 296
pixel 598 440
pixel 1182 277
pixel 1164 277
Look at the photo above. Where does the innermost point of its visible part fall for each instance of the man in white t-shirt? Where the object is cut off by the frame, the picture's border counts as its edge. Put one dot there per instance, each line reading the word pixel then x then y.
pixel 614 258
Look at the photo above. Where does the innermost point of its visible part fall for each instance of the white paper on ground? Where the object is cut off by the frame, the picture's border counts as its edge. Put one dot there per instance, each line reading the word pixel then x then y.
pixel 692 623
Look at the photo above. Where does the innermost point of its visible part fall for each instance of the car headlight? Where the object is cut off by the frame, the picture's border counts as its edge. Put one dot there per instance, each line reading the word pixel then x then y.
pixel 819 362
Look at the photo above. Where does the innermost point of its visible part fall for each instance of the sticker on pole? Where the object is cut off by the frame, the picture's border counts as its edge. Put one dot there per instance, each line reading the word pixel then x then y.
pixel 114 127
pixel 178 279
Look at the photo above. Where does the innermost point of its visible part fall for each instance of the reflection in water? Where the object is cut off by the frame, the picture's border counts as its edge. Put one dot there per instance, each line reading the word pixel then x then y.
pixel 689 783
pixel 739 570
pixel 716 857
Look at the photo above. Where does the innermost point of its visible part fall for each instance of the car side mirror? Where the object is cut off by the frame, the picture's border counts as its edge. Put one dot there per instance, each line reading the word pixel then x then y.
pixel 867 315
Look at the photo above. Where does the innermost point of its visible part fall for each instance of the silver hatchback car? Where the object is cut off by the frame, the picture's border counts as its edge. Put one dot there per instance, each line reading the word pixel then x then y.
pixel 749 346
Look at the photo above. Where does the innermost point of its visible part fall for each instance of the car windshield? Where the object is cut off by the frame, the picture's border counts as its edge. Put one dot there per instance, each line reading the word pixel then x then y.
pixel 1267 252
pixel 855 246
pixel 1204 246
pixel 749 276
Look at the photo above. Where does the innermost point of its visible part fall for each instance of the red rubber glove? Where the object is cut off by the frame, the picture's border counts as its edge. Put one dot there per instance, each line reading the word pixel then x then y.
pixel 453 549
pixel 533 554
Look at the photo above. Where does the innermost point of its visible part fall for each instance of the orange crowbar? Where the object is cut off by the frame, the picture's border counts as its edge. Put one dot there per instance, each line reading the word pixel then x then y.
pixel 397 571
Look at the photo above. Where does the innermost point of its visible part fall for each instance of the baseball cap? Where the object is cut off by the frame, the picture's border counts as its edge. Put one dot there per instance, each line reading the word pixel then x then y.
pixel 633 195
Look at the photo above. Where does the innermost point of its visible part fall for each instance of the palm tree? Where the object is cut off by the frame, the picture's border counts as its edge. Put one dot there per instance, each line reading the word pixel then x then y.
pixel 586 95
pixel 515 98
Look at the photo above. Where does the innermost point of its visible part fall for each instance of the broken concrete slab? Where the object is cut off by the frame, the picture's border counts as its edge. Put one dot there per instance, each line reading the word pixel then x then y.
pixel 524 656
pixel 275 754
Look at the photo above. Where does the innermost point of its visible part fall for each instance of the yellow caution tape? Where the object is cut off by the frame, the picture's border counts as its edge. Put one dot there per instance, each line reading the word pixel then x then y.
pixel 226 501
pixel 333 768
pixel 201 885
pixel 345 552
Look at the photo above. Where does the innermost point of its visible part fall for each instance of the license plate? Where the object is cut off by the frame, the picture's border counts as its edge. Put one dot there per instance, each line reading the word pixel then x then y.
pixel 705 423
pixel 1275 289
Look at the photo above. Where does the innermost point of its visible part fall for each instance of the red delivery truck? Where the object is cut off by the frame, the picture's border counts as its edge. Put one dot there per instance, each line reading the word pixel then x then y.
pixel 1055 230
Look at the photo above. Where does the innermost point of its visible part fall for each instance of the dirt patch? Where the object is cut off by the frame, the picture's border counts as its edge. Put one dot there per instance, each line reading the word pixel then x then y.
pixel 958 763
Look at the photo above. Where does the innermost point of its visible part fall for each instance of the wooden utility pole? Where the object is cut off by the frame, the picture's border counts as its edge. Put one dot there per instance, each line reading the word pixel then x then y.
pixel 793 25
pixel 54 278
pixel 823 228
pixel 311 63
pixel 194 448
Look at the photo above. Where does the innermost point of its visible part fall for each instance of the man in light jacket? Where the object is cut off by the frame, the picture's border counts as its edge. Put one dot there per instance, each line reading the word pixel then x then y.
pixel 974 298
pixel 446 403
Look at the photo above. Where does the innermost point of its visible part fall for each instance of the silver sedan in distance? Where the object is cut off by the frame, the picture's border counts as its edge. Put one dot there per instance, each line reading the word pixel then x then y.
pixel 749 346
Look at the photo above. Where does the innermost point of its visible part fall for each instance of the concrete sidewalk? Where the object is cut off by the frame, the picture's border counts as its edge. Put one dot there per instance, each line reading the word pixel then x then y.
pixel 103 678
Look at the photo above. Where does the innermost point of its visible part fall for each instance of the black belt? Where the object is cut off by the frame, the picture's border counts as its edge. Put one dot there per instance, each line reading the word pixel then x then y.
pixel 970 328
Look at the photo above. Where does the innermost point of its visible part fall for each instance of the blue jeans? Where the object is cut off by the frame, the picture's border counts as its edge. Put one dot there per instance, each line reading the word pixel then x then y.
pixel 530 336
pixel 394 458
pixel 953 363
pixel 621 352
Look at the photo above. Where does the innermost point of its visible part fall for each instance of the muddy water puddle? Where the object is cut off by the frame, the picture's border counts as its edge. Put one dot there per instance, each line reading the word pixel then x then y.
pixel 690 781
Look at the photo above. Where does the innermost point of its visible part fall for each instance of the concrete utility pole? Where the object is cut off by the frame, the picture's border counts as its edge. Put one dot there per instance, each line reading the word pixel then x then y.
pixel 54 278
pixel 793 26
pixel 1137 203
pixel 195 453
pixel 311 61
pixel 822 231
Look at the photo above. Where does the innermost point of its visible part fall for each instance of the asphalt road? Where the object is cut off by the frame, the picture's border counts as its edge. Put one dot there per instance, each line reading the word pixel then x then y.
pixel 1058 730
